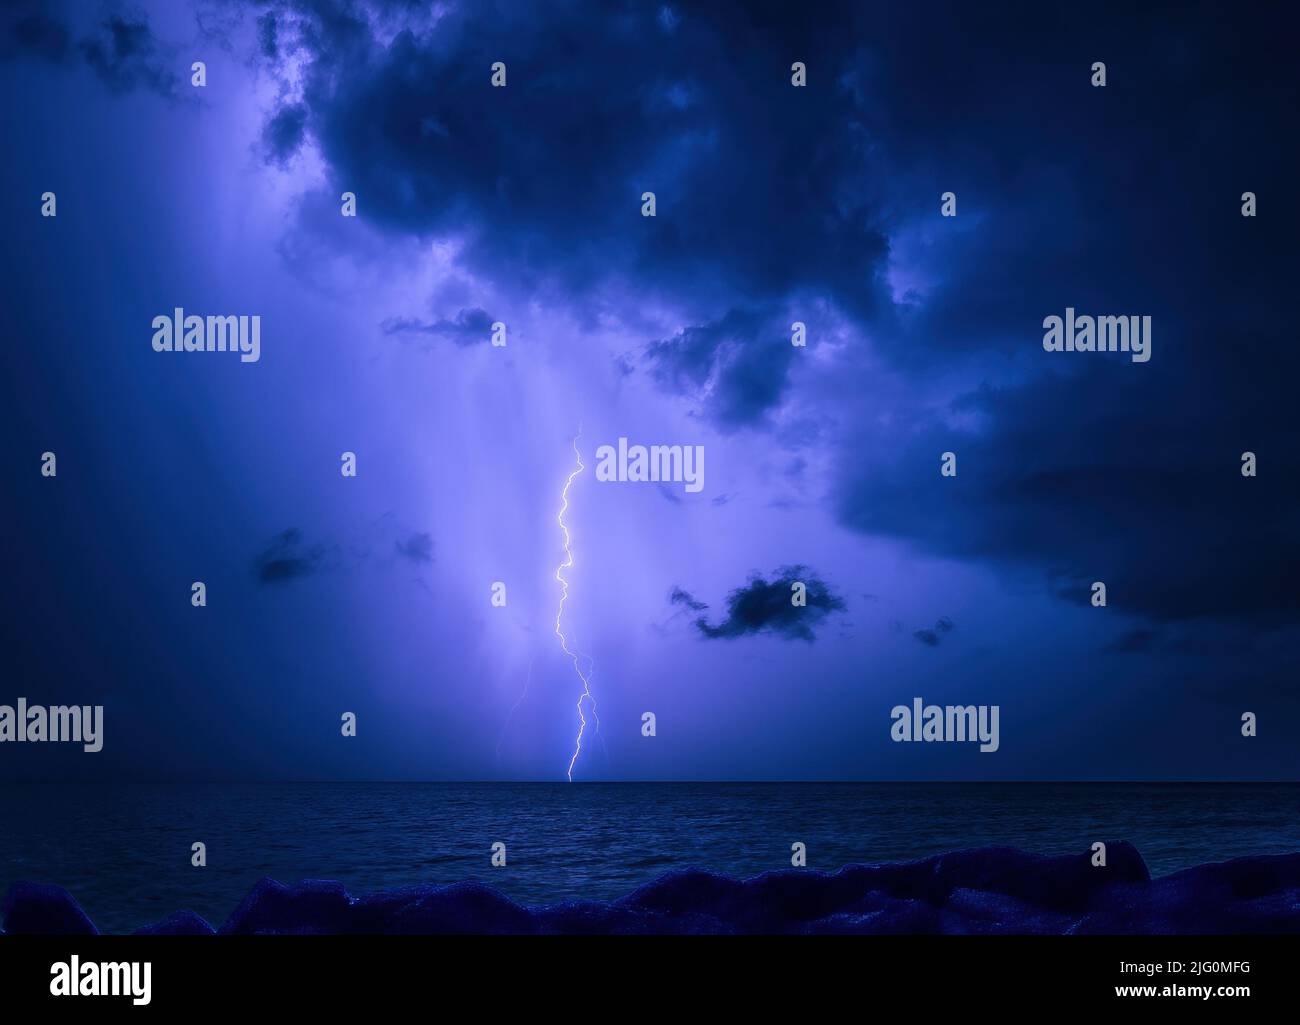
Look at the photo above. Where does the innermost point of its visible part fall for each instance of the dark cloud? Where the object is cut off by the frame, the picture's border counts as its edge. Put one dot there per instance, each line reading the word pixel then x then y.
pixel 1085 467
pixel 381 544
pixel 1123 473
pixel 124 54
pixel 288 558
pixel 408 119
pixel 931 638
pixel 678 596
pixel 738 365
pixel 766 607
pixel 770 198
pixel 37 35
pixel 120 48
pixel 417 548
pixel 468 327
pixel 268 35
pixel 283 134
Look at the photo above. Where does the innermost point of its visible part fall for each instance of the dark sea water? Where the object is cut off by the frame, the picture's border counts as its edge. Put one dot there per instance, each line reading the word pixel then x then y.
pixel 124 850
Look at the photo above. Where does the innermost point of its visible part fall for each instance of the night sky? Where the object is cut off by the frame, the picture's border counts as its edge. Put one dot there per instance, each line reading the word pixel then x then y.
pixel 774 204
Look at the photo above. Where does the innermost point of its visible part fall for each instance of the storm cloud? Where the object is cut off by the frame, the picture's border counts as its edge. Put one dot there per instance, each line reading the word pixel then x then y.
pixel 764 606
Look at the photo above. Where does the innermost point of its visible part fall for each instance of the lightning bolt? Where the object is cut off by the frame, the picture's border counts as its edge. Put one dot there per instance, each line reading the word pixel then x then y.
pixel 576 657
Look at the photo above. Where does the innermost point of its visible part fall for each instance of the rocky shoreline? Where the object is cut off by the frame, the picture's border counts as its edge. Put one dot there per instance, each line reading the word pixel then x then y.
pixel 978 891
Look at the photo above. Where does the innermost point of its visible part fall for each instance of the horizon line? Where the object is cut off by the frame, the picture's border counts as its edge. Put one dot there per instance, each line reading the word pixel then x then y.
pixel 661 782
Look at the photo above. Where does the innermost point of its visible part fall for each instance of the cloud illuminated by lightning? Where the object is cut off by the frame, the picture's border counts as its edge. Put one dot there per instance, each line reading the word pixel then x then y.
pixel 576 657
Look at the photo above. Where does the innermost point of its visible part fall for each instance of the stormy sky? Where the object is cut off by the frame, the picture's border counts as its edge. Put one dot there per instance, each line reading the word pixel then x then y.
pixel 522 205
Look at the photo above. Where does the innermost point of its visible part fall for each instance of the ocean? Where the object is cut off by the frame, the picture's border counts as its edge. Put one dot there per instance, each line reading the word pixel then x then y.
pixel 124 850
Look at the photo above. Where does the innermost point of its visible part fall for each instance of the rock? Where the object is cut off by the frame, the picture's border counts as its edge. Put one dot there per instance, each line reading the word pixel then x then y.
pixel 35 909
pixel 313 906
pixel 470 907
pixel 180 923
pixel 1067 883
pixel 985 890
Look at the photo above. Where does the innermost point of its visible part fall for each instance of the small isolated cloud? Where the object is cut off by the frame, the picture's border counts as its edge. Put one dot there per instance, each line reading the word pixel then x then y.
pixel 763 606
pixel 468 327
pixel 933 638
pixel 678 596
pixel 383 544
pixel 417 548
pixel 288 558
